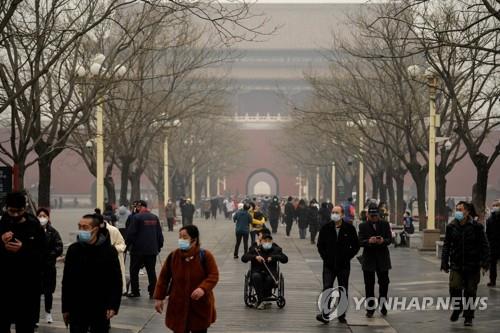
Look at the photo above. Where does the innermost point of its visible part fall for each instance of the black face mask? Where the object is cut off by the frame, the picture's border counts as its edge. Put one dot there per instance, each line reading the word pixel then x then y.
pixel 16 218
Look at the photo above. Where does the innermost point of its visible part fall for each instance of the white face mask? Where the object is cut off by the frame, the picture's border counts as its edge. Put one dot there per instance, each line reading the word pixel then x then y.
pixel 43 220
pixel 335 217
pixel 495 209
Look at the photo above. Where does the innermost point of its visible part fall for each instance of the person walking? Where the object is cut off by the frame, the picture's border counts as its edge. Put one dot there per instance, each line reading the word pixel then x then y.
pixel 92 279
pixel 144 241
pixel 187 210
pixel 170 214
pixel 187 279
pixel 302 218
pixel 375 236
pixel 465 252
pixel 122 217
pixel 350 210
pixel 22 254
pixel 290 215
pixel 274 213
pixel 49 273
pixel 313 219
pixel 243 220
pixel 337 244
pixel 324 214
pixel 493 233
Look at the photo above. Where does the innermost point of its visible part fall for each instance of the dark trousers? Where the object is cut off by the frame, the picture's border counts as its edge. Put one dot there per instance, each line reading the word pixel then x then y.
pixel 240 236
pixel 342 276
pixel 48 300
pixel 136 262
pixel 92 323
pixel 313 229
pixel 19 310
pixel 493 268
pixel 302 232
pixel 464 284
pixel 253 234
pixel 274 225
pixel 289 224
pixel 170 223
pixel 263 284
pixel 383 287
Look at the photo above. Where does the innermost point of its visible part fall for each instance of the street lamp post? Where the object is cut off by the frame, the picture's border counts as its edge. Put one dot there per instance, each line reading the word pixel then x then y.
pixel 361 189
pixel 166 174
pixel 317 183
pixel 193 182
pixel 334 185
pixel 208 184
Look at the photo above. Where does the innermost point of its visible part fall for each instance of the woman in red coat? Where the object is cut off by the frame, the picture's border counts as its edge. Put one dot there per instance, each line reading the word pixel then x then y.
pixel 187 279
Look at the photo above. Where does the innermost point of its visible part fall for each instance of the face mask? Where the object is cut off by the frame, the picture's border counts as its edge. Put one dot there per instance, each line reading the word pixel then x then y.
pixel 43 220
pixel 459 216
pixel 495 209
pixel 84 236
pixel 335 217
pixel 267 246
pixel 184 244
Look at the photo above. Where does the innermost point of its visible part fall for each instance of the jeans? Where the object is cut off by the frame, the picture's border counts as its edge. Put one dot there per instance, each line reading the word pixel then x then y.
pixel 342 276
pixel 383 287
pixel 263 284
pixel 136 262
pixel 239 236
pixel 464 284
pixel 302 233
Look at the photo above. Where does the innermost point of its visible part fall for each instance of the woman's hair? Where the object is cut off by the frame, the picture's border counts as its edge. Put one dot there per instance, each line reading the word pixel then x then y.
pixel 258 215
pixel 42 210
pixel 96 219
pixel 193 232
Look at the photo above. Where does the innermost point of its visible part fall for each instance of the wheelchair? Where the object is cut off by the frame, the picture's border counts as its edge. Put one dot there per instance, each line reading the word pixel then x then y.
pixel 278 292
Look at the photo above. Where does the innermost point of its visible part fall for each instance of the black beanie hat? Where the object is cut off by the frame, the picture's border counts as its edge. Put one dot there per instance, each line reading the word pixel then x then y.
pixel 15 200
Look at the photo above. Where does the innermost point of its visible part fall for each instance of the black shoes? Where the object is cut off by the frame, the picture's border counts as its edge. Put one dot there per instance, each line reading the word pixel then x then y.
pixel 236 257
pixel 342 320
pixel 319 317
pixel 468 322
pixel 369 314
pixel 455 315
pixel 133 295
pixel 383 311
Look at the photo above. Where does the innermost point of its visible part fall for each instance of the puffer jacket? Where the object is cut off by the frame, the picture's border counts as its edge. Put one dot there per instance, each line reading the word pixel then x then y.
pixel 465 247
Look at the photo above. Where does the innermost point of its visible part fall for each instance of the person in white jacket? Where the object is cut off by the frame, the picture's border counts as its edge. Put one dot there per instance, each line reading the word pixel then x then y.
pixel 118 243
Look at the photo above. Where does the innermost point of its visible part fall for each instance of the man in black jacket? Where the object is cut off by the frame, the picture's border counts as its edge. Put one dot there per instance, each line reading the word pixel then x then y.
pixel 493 233
pixel 144 241
pixel 92 279
pixel 187 210
pixel 269 253
pixel 22 253
pixel 375 236
pixel 465 251
pixel 337 245
pixel 290 215
pixel 274 212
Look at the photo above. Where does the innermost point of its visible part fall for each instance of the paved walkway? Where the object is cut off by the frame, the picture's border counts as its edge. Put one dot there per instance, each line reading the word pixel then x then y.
pixel 413 274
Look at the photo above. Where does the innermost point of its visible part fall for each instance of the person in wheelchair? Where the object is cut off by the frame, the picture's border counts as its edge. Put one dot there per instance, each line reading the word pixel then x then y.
pixel 264 256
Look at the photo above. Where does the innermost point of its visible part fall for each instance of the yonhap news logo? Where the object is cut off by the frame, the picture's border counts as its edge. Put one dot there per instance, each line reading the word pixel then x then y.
pixel 333 303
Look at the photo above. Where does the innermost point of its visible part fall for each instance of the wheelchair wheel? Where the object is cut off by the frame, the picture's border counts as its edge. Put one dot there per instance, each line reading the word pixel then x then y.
pixel 281 302
pixel 246 292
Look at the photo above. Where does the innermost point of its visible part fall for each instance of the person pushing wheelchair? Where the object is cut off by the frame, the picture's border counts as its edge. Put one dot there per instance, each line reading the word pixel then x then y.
pixel 264 256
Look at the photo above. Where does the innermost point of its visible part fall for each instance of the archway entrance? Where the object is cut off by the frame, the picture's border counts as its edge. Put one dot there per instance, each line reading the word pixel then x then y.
pixel 262 182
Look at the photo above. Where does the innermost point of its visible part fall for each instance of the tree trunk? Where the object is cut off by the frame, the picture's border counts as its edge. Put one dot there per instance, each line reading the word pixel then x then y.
pixel 135 186
pixel 109 185
pixel 441 207
pixel 400 187
pixel 421 199
pixel 479 190
pixel 125 173
pixel 44 181
pixel 383 188
pixel 375 185
pixel 392 195
pixel 19 169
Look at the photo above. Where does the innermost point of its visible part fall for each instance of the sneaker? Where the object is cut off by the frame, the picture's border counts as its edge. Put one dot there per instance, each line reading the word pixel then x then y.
pixel 48 317
pixel 319 317
pixel 455 315
pixel 261 306
pixel 468 322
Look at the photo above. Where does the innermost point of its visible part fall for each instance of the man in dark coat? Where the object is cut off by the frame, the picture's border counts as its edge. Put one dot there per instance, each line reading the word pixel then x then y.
pixel 337 244
pixel 289 215
pixel 274 213
pixel 144 241
pixel 313 219
pixel 269 253
pixel 493 233
pixel 375 236
pixel 22 253
pixel 187 210
pixel 465 252
pixel 92 279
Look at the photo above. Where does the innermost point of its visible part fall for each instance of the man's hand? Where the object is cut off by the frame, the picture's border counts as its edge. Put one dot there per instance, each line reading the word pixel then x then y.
pixel 6 237
pixel 159 306
pixel 260 259
pixel 445 269
pixel 380 240
pixel 66 318
pixel 110 314
pixel 372 240
pixel 13 246
pixel 197 294
pixel 269 259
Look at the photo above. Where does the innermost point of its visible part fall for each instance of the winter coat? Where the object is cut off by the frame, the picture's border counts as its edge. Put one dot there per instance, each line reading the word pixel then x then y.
pixel 375 257
pixel 170 211
pixel 22 271
pixel 493 233
pixel 290 212
pixel 313 216
pixel 118 243
pixel 182 273
pixel 123 214
pixel 54 251
pixel 303 216
pixel 188 210
pixel 258 224
pixel 324 215
pixel 465 247
pixel 338 250
pixel 243 219
pixel 275 253
pixel 144 235
pixel 274 210
pixel 92 279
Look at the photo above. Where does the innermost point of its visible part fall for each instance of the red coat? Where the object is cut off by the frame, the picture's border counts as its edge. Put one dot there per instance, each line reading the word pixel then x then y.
pixel 187 273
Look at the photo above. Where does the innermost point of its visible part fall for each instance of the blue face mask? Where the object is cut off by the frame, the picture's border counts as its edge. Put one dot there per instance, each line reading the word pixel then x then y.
pixel 84 236
pixel 459 216
pixel 267 246
pixel 184 244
